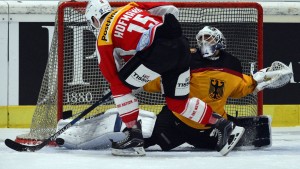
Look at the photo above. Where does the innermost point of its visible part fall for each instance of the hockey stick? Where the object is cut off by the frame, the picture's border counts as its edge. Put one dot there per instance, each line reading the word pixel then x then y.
pixel 20 147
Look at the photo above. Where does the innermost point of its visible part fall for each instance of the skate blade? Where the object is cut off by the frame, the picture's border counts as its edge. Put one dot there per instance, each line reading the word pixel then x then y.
pixel 134 151
pixel 237 134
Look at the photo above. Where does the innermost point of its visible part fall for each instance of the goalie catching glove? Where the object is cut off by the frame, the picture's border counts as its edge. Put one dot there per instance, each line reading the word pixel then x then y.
pixel 275 76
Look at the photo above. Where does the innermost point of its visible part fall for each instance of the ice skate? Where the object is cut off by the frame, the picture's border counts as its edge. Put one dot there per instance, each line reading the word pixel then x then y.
pixel 132 145
pixel 228 135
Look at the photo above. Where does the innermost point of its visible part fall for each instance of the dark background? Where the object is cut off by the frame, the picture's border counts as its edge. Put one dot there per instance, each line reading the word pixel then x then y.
pixel 281 42
pixel 33 56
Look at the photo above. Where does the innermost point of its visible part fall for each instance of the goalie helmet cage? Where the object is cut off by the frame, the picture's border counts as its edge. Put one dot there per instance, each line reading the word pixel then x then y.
pixel 72 80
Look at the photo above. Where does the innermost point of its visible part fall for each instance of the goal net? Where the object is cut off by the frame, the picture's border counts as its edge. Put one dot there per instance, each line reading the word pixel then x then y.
pixel 72 80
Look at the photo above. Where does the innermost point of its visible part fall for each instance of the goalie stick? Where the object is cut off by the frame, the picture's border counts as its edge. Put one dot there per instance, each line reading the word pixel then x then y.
pixel 20 147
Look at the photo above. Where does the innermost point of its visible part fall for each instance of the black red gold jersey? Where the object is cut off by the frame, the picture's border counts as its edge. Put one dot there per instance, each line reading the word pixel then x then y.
pixel 214 81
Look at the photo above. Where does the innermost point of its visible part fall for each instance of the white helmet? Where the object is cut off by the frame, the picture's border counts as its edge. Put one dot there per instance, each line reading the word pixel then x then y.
pixel 209 40
pixel 96 8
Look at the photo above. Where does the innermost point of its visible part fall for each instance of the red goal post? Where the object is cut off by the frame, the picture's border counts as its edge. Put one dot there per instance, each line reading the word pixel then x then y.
pixel 72 80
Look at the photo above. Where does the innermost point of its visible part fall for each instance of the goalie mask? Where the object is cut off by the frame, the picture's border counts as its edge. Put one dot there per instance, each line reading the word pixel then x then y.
pixel 210 40
pixel 96 9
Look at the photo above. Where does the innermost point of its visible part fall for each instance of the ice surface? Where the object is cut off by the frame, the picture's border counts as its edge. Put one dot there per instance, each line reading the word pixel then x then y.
pixel 284 154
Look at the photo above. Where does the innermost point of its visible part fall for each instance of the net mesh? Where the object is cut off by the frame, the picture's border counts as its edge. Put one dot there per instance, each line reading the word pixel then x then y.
pixel 83 83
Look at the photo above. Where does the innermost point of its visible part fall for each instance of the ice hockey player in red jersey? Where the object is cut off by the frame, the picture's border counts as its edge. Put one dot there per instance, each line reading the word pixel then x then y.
pixel 147 37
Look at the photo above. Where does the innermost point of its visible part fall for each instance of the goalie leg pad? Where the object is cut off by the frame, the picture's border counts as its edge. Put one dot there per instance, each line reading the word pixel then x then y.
pixel 98 131
pixel 87 133
pixel 257 131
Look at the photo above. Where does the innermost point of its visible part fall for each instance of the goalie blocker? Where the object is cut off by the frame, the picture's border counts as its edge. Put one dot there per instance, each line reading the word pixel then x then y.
pixel 99 131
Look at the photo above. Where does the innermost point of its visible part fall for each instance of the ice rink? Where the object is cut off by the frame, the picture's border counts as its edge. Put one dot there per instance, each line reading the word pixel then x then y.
pixel 284 154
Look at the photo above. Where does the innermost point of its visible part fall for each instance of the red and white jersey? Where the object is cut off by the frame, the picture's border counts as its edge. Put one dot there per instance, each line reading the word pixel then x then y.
pixel 123 32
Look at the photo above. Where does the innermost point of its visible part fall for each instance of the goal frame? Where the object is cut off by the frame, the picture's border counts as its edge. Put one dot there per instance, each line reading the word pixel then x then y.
pixel 177 4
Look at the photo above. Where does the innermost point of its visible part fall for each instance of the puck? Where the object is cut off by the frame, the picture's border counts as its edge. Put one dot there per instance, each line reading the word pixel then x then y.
pixel 60 141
